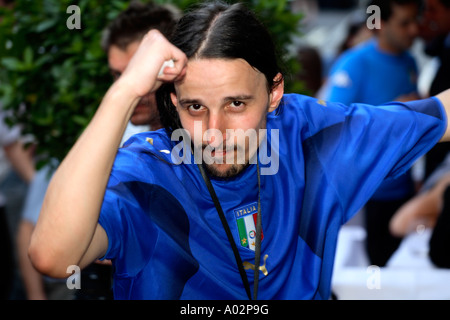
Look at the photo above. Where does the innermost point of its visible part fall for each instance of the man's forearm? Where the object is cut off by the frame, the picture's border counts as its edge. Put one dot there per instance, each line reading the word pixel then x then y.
pixel 71 207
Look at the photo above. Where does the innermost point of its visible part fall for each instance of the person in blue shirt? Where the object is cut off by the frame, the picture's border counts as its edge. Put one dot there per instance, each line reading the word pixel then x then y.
pixel 376 72
pixel 242 194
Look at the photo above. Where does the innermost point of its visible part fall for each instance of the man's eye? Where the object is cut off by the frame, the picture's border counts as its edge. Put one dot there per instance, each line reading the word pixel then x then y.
pixel 195 107
pixel 237 104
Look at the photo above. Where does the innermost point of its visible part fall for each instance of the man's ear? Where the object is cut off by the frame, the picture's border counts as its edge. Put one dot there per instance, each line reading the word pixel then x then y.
pixel 277 92
pixel 174 99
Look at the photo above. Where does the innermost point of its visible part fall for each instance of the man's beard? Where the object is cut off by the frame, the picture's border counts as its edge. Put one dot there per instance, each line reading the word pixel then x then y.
pixel 235 167
pixel 231 157
pixel 231 172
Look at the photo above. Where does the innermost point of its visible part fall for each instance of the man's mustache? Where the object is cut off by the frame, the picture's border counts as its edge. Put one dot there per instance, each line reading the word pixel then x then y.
pixel 220 148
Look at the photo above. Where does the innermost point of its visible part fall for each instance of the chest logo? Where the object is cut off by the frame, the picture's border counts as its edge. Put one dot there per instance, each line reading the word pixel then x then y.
pixel 246 223
pixel 263 269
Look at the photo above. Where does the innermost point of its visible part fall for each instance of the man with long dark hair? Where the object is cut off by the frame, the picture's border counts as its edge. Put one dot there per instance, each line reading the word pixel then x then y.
pixel 243 193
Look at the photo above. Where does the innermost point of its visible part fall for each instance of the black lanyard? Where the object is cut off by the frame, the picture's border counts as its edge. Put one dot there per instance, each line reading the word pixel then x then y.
pixel 230 236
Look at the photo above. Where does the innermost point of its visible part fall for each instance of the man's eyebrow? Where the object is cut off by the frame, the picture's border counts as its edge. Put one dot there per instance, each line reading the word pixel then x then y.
pixel 226 99
pixel 238 98
pixel 189 101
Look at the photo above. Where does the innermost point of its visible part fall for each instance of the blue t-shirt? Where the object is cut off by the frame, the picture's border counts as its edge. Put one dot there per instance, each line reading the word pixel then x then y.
pixel 166 240
pixel 366 74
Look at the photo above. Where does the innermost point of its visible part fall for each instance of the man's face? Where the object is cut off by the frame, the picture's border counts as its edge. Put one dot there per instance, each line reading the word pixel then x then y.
pixel 438 16
pixel 217 101
pixel 146 112
pixel 402 27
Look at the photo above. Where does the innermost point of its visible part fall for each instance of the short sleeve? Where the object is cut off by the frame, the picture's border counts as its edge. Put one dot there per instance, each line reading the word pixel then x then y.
pixel 367 144
pixel 123 216
pixel 110 219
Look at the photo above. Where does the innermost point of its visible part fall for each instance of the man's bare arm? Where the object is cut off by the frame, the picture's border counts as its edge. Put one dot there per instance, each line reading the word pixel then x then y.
pixel 67 232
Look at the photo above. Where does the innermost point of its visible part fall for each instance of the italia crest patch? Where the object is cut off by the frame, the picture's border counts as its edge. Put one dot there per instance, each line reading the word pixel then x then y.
pixel 246 222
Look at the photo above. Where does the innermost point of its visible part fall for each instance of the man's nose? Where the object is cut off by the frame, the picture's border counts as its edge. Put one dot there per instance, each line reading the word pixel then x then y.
pixel 215 129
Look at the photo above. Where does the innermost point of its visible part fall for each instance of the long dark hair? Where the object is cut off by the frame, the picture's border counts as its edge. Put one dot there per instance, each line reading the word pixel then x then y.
pixel 222 31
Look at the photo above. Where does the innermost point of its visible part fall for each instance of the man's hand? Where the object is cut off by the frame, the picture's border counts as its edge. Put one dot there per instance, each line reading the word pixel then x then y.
pixel 142 74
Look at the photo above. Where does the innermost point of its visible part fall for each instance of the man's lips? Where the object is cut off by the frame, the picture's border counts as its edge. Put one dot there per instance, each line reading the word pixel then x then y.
pixel 218 153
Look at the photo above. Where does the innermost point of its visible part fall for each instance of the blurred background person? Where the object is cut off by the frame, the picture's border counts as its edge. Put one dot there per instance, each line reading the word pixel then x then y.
pixel 311 69
pixel 121 40
pixel 378 71
pixel 22 162
pixel 429 210
pixel 435 30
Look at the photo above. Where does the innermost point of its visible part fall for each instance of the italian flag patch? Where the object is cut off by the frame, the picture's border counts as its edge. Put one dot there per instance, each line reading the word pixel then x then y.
pixel 246 223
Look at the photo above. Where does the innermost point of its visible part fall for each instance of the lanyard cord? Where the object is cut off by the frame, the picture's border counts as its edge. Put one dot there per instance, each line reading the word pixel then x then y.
pixel 258 238
pixel 230 236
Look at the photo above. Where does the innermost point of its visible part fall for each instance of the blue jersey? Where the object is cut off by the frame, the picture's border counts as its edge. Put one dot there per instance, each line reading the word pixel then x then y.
pixel 166 240
pixel 366 74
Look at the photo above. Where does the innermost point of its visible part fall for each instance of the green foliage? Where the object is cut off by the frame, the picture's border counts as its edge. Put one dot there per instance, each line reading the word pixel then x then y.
pixel 53 78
